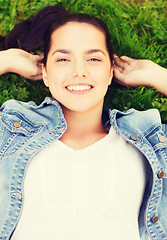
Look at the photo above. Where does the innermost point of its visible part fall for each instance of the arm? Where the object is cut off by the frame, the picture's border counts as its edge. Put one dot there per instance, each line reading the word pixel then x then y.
pixel 137 72
pixel 20 62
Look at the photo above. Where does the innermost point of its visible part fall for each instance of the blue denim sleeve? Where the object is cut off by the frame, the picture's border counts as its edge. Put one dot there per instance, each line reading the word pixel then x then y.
pixel 164 128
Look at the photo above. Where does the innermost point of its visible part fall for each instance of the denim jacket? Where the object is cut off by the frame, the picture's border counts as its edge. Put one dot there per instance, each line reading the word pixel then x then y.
pixel 25 128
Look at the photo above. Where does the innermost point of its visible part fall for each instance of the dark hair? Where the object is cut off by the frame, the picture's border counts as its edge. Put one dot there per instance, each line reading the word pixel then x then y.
pixel 80 18
pixel 28 35
pixel 36 33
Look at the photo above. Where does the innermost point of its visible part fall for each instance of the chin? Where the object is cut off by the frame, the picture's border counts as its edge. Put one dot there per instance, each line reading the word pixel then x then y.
pixel 78 109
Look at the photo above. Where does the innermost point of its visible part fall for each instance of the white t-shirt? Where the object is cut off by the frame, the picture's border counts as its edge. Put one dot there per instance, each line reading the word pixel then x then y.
pixel 92 193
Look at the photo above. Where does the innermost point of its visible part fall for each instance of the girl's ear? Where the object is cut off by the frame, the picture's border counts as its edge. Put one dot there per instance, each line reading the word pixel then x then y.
pixel 111 76
pixel 44 75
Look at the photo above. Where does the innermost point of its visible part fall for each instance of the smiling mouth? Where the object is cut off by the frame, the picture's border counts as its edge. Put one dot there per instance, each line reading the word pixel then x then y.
pixel 79 88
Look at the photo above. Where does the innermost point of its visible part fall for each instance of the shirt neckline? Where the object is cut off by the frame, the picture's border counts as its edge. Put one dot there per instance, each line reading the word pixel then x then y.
pixel 92 146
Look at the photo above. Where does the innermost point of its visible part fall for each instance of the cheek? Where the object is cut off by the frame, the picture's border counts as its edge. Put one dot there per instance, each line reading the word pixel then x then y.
pixel 104 75
pixel 55 82
pixel 57 72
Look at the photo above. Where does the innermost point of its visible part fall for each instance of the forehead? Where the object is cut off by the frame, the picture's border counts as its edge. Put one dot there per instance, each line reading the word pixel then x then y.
pixel 78 34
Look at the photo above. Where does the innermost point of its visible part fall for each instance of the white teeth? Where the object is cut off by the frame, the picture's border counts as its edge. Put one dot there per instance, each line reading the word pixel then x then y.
pixel 79 87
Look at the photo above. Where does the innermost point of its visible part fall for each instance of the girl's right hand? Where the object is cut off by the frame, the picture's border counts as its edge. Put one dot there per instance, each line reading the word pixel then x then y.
pixel 21 62
pixel 140 72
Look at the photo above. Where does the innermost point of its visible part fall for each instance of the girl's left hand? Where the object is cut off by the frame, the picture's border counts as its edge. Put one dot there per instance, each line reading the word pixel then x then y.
pixel 26 64
pixel 21 62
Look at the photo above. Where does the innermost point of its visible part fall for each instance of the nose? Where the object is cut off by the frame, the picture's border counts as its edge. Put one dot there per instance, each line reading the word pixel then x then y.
pixel 79 69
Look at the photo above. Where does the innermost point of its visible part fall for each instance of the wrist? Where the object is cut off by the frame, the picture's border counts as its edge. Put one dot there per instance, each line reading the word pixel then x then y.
pixel 159 79
pixel 13 58
pixel 5 61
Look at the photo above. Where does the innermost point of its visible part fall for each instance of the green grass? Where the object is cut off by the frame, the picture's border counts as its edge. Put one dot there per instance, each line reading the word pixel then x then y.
pixel 138 29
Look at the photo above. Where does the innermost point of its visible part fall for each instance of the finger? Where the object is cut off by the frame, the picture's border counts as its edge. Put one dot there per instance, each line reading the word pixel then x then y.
pixel 126 58
pixel 118 81
pixel 118 69
pixel 118 73
pixel 121 62
pixel 36 77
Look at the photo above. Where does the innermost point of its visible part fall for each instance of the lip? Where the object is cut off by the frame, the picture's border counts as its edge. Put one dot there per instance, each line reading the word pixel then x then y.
pixel 76 90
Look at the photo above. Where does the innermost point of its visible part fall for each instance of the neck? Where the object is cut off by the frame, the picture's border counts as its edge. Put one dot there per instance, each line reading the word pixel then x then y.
pixel 83 128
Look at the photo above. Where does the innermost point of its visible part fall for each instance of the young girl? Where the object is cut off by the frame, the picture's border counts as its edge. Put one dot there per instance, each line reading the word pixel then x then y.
pixel 70 169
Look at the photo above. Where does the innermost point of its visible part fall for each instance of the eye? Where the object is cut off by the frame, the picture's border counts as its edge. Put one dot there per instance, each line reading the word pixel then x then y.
pixel 94 60
pixel 63 60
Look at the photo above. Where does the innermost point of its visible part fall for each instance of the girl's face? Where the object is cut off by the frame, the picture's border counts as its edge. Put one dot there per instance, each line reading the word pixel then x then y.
pixel 78 69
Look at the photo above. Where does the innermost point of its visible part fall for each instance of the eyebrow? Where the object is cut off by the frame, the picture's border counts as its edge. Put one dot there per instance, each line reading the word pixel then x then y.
pixel 95 51
pixel 90 51
pixel 61 51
